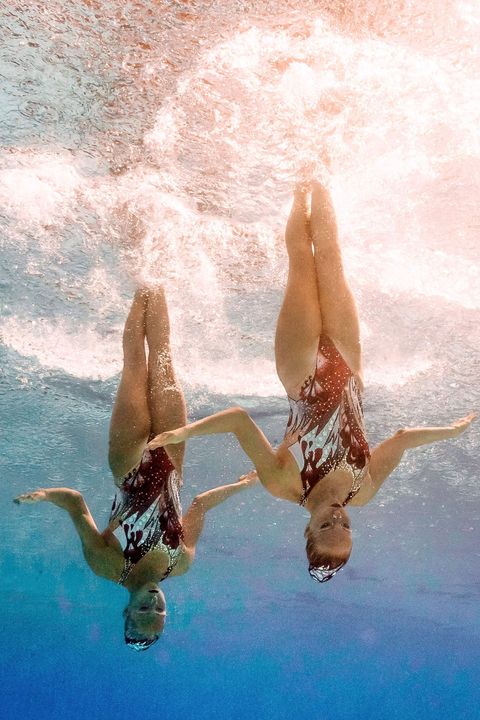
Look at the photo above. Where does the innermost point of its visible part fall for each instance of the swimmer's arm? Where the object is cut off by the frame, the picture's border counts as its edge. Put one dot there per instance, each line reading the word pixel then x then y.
pixel 387 456
pixel 72 502
pixel 194 518
pixel 237 421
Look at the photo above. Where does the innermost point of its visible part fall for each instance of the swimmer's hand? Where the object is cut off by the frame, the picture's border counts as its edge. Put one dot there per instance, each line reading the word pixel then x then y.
pixel 65 498
pixel 171 437
pixel 31 497
pixel 250 478
pixel 459 426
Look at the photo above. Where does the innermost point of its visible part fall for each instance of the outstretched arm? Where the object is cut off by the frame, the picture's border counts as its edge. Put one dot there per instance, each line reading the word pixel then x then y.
pixel 386 456
pixel 72 501
pixel 236 421
pixel 194 518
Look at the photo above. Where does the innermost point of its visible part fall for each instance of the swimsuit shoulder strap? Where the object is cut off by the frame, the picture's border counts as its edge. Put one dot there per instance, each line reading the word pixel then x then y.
pixel 127 568
pixel 173 555
pixel 356 484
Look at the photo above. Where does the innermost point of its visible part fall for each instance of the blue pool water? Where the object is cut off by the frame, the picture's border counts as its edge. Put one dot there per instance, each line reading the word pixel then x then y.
pixel 195 118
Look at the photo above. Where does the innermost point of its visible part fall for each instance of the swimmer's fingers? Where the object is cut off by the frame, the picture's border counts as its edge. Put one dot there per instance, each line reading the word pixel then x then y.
pixel 31 497
pixel 459 426
pixel 158 441
pixel 171 437
pixel 250 478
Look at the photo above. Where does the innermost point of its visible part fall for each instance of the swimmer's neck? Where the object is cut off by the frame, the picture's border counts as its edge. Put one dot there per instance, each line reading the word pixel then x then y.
pixel 329 491
pixel 149 570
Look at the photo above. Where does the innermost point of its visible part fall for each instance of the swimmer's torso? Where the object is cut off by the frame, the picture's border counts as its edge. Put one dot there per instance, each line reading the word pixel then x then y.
pixel 325 440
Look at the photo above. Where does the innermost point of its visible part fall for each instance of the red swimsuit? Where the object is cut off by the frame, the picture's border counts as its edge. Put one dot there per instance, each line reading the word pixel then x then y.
pixel 325 427
pixel 146 512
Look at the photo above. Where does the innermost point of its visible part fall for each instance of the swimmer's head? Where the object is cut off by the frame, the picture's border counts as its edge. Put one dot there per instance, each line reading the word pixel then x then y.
pixel 144 616
pixel 329 541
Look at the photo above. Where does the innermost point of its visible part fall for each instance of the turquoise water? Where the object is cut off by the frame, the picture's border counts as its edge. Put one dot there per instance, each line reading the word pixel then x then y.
pixel 195 118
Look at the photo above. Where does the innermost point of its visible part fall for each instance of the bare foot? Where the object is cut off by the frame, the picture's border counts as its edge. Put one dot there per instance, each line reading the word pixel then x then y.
pixel 319 168
pixel 301 196
pixel 321 198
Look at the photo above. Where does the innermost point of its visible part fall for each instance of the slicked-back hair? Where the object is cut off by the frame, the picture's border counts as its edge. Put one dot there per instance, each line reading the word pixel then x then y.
pixel 328 563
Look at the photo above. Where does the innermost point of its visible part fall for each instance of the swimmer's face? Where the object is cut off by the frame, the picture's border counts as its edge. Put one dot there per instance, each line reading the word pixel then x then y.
pixel 145 614
pixel 329 533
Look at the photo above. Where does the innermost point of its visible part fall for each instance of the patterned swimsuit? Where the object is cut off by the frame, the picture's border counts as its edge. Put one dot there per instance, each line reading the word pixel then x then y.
pixel 146 512
pixel 325 428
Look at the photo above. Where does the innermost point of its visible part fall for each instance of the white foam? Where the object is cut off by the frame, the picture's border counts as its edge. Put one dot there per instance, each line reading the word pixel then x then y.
pixel 231 376
pixel 413 271
pixel 60 345
pixel 432 274
pixel 228 143
pixel 39 188
pixel 102 288
pixel 393 374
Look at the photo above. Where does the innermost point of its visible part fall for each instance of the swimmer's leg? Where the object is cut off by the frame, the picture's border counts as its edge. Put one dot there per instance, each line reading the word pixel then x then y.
pixel 299 323
pixel 165 396
pixel 130 424
pixel 337 304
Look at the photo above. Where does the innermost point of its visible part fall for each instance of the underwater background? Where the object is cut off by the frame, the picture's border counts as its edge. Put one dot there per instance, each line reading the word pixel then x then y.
pixel 158 142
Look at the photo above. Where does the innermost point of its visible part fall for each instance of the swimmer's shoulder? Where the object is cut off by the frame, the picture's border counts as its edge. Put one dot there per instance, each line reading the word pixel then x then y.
pixel 106 561
pixel 184 562
pixel 285 481
pixel 366 492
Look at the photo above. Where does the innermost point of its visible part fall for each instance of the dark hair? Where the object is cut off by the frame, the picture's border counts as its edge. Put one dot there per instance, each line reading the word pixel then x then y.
pixel 140 643
pixel 323 566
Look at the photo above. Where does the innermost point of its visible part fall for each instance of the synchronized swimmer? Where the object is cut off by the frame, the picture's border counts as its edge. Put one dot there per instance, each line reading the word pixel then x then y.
pixel 147 539
pixel 324 462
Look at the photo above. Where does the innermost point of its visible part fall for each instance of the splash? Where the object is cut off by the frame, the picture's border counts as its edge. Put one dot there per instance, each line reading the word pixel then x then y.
pixel 383 109
pixel 394 373
pixel 60 346
pixel 38 191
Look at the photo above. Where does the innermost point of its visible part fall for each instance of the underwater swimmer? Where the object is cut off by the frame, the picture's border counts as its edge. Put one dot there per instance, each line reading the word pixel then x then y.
pixel 147 539
pixel 324 462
